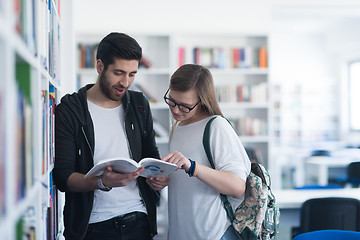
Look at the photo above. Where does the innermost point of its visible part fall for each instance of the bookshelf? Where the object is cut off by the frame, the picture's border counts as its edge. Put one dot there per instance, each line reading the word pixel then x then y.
pixel 30 87
pixel 239 66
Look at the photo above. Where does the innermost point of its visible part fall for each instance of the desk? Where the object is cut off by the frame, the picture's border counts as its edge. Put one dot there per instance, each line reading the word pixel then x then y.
pixel 290 201
pixel 323 164
pixel 339 158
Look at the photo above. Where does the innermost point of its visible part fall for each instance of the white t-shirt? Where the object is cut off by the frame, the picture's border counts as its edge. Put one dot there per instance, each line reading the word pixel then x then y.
pixel 110 141
pixel 195 209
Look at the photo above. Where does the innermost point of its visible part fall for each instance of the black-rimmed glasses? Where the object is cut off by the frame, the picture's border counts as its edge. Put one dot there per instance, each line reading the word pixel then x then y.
pixel 181 107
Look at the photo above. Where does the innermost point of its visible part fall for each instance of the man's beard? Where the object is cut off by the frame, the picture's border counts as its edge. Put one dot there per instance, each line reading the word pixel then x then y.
pixel 106 88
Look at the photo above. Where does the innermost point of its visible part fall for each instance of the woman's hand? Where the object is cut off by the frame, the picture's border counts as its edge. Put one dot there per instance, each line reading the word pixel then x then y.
pixel 158 183
pixel 180 160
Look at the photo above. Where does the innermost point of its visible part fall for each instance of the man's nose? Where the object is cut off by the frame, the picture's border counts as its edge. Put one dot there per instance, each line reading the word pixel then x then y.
pixel 125 81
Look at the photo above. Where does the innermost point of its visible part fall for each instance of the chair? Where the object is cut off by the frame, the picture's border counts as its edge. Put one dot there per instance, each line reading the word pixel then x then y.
pixel 330 213
pixel 353 174
pixel 329 235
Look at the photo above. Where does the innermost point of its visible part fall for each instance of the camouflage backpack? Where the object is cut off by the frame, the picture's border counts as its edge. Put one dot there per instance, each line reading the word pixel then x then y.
pixel 257 217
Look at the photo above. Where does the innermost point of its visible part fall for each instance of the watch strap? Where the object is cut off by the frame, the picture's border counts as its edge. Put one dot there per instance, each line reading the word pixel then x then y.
pixel 101 185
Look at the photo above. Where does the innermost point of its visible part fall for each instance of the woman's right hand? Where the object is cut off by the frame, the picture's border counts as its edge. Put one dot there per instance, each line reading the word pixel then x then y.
pixel 180 160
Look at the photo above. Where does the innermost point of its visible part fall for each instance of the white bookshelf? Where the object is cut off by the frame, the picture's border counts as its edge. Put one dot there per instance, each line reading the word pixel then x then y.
pixel 30 39
pixel 163 51
pixel 245 108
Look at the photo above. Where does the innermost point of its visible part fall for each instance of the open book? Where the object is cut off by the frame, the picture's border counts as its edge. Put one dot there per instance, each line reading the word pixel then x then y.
pixel 153 167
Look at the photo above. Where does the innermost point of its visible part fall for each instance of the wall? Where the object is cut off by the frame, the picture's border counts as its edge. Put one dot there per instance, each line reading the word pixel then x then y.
pixel 162 16
pixel 166 16
pixel 344 47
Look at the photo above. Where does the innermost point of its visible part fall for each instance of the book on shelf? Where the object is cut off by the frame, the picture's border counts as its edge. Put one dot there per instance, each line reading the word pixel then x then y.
pixel 145 62
pixel 24 12
pixel 196 55
pixel 24 137
pixel 26 225
pixel 263 57
pixel 208 57
pixel 52 104
pixel 249 126
pixel 236 57
pixel 181 56
pixel 153 167
pixel 53 208
pixel 44 33
pixel 20 161
pixel 44 131
pixel 87 54
pixel 242 93
pixel 139 88
pixel 2 156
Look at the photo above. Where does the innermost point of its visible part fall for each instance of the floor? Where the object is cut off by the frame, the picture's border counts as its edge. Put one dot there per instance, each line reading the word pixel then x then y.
pixel 162 217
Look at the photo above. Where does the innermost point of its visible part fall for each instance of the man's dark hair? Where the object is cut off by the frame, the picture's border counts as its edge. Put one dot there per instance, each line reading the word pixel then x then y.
pixel 118 45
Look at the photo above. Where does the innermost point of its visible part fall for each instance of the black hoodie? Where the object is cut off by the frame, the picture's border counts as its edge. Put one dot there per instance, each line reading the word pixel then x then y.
pixel 74 144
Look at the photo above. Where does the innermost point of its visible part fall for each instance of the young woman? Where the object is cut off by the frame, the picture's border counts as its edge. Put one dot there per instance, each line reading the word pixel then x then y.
pixel 195 208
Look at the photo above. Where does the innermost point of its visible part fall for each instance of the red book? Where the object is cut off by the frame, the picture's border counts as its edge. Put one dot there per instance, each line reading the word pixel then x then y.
pixel 181 56
pixel 236 57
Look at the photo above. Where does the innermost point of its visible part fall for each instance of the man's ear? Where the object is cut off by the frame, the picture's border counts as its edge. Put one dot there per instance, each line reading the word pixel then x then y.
pixel 99 66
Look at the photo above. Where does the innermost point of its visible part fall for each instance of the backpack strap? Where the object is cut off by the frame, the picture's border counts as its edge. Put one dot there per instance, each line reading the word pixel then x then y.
pixel 206 143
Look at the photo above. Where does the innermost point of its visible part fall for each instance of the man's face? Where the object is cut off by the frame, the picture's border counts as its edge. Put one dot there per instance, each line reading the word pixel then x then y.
pixel 117 78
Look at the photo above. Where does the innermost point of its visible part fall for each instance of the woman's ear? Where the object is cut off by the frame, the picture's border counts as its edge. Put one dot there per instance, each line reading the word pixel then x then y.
pixel 99 66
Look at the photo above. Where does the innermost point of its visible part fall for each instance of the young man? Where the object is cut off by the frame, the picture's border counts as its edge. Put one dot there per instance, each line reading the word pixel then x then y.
pixel 102 121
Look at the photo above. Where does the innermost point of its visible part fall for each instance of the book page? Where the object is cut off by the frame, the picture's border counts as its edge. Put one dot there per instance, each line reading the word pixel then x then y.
pixel 153 167
pixel 156 168
pixel 118 165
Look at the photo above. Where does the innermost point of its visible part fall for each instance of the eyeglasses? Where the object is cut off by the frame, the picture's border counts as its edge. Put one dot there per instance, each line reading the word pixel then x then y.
pixel 181 107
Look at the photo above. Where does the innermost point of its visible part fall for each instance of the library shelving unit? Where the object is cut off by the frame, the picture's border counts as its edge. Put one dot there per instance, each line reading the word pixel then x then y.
pixel 239 67
pixel 30 80
pixel 239 64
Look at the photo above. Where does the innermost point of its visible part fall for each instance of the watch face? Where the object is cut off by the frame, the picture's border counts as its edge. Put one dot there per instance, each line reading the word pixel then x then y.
pixel 106 189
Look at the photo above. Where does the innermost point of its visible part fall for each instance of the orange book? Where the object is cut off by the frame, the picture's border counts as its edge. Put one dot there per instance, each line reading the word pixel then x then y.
pixel 263 57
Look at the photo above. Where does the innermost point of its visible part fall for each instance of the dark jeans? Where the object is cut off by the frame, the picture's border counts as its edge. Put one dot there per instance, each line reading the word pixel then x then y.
pixel 131 226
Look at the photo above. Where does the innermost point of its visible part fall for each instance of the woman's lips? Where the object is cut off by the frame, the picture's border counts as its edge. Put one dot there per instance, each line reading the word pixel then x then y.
pixel 176 115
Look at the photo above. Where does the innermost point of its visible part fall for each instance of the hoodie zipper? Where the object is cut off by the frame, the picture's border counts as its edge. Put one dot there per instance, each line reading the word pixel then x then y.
pixel 127 139
pixel 131 156
pixel 87 141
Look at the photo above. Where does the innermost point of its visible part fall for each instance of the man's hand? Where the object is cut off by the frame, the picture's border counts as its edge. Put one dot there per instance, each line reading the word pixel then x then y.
pixel 114 179
pixel 158 183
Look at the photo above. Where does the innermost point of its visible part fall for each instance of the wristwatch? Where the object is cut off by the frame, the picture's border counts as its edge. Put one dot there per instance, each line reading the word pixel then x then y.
pixel 101 186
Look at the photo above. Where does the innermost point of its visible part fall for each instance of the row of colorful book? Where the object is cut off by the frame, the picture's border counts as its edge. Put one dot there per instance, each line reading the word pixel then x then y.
pixel 41 39
pixel 87 56
pixel 226 58
pixel 250 126
pixel 242 93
